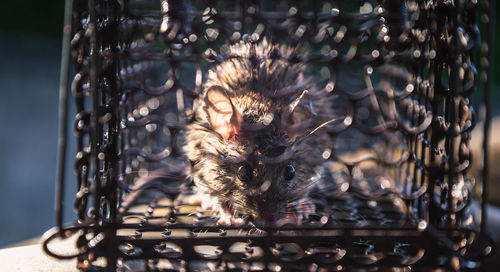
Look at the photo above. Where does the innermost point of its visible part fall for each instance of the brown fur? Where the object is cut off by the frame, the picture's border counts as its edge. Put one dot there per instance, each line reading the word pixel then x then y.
pixel 268 147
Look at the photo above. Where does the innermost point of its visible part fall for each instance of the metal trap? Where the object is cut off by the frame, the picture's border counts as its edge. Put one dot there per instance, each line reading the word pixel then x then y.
pixel 402 75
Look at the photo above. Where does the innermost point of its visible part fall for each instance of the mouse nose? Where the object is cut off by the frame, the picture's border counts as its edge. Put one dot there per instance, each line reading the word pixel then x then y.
pixel 272 216
pixel 269 215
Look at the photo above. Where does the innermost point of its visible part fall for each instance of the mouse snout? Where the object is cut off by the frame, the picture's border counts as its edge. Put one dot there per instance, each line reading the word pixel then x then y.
pixel 271 215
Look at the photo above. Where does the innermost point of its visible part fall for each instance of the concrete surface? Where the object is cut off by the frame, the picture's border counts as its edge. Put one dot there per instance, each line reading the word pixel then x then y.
pixel 31 258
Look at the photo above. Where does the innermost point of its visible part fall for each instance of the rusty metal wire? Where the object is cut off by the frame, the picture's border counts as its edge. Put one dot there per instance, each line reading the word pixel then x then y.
pixel 401 74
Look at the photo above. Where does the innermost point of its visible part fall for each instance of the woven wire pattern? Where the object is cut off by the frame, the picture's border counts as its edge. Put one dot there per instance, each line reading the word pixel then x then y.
pixel 401 74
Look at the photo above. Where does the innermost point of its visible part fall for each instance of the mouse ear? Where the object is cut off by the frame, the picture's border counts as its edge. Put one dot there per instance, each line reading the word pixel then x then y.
pixel 222 115
pixel 296 121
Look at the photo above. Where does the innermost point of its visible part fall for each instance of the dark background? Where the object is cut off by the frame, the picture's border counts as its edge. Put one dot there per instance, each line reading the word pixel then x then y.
pixel 30 50
pixel 30 53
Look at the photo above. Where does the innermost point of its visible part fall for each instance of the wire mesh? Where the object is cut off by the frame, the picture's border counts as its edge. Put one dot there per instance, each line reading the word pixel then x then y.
pixel 400 74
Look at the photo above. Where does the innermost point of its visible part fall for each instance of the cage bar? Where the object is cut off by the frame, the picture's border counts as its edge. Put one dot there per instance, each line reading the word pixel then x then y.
pixel 402 75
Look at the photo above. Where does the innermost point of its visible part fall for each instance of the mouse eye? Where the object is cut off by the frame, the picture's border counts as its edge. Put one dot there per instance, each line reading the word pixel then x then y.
pixel 245 173
pixel 289 172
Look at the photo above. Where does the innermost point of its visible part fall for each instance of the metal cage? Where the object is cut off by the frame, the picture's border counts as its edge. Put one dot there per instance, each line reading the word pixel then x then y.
pixel 403 75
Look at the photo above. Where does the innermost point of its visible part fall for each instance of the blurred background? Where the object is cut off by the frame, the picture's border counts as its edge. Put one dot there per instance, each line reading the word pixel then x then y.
pixel 30 52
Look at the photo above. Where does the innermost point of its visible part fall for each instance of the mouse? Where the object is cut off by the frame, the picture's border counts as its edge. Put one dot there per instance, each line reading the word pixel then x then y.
pixel 257 142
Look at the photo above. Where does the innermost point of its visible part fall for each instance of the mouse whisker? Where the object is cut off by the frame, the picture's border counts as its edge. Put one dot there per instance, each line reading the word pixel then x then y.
pixel 304 137
pixel 305 187
pixel 322 125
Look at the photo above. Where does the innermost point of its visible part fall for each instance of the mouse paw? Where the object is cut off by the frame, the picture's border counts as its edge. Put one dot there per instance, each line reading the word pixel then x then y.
pixel 206 201
pixel 227 219
pixel 211 203
pixel 303 208
pixel 297 212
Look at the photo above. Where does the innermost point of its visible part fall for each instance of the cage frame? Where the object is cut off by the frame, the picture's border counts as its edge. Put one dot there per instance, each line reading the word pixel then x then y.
pixel 105 242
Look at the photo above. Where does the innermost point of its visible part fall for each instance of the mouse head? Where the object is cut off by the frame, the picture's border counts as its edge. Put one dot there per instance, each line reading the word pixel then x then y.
pixel 246 143
pixel 244 152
